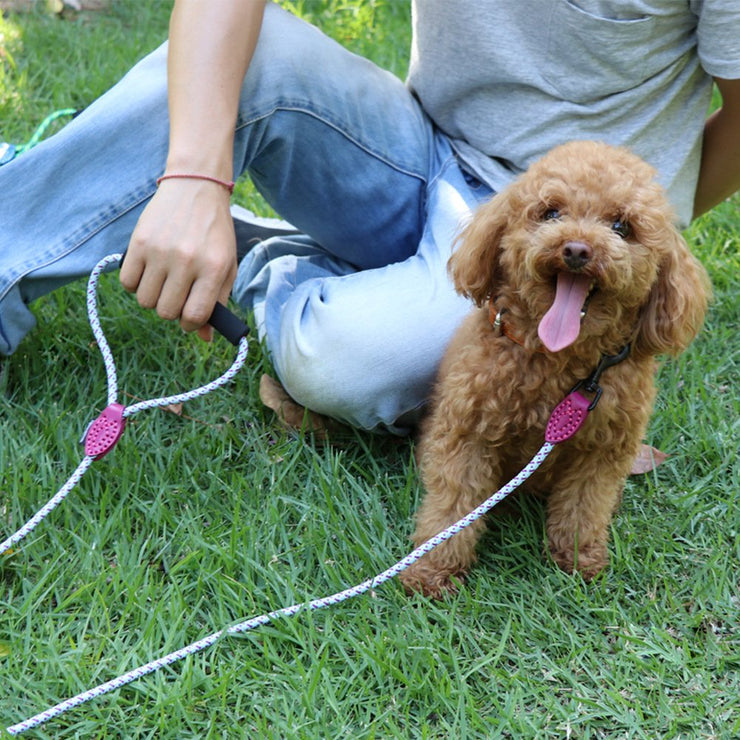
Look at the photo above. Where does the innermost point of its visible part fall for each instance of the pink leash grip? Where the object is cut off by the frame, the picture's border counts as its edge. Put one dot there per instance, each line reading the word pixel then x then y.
pixel 567 418
pixel 105 431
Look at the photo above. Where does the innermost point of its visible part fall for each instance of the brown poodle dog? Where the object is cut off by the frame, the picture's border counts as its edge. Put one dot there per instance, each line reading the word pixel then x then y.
pixel 572 262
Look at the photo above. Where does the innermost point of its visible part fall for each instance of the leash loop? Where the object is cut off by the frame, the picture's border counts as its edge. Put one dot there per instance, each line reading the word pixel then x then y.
pixel 97 330
pixel 105 431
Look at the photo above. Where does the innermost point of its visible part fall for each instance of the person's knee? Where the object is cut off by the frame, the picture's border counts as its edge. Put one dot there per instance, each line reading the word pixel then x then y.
pixel 326 382
pixel 355 379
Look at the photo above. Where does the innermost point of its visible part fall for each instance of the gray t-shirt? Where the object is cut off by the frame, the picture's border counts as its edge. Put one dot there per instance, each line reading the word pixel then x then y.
pixel 507 80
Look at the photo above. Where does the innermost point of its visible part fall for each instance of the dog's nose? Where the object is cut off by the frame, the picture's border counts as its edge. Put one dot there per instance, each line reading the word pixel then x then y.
pixel 576 254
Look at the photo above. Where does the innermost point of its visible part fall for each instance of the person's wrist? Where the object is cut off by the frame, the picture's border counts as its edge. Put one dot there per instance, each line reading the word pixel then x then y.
pixel 189 156
pixel 227 184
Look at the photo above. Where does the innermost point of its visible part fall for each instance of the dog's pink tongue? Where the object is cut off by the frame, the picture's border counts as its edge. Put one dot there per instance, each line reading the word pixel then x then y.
pixel 560 325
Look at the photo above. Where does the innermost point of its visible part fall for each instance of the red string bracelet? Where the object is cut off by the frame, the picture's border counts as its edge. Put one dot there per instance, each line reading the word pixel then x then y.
pixel 228 184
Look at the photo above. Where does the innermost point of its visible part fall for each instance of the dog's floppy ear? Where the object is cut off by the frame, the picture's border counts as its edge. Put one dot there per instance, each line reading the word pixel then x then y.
pixel 474 266
pixel 675 310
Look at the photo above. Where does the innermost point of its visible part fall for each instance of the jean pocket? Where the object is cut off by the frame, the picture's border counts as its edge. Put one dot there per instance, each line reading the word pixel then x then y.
pixel 589 57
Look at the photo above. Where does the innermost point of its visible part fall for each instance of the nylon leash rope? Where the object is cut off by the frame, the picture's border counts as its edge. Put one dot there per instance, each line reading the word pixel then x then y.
pixel 105 431
pixel 287 611
pixel 564 422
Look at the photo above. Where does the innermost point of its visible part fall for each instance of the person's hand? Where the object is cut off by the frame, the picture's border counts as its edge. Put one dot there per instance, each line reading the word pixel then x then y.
pixel 181 258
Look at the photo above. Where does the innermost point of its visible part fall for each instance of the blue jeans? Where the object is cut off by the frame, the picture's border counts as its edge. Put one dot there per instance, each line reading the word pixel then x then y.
pixel 357 316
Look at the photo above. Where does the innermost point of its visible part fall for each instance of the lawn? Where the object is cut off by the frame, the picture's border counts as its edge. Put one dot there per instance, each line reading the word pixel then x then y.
pixel 206 518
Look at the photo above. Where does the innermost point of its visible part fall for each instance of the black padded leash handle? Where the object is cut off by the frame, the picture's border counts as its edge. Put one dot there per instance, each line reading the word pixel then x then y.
pixel 226 323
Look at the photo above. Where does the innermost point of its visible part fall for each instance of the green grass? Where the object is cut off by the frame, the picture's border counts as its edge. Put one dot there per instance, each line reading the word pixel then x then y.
pixel 194 523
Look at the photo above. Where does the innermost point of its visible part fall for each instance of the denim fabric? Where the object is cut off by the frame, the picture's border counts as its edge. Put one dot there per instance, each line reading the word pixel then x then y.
pixel 77 196
pixel 355 317
pixel 363 346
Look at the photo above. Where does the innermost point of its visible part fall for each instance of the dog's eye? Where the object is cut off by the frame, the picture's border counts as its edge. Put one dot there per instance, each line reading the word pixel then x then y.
pixel 551 214
pixel 622 228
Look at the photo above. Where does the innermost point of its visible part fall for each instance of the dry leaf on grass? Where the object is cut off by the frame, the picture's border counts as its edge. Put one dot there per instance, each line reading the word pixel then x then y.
pixel 648 458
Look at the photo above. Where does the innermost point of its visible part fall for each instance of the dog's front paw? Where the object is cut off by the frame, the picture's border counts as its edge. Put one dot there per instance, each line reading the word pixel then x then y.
pixel 588 560
pixel 431 582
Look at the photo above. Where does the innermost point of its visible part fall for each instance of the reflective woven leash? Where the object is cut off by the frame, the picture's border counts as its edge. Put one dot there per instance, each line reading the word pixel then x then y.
pixel 287 611
pixel 564 422
pixel 103 434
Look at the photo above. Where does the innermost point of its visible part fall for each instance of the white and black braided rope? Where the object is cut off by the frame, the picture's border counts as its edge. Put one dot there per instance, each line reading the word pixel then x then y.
pixel 288 611
pixel 253 622
pixel 110 370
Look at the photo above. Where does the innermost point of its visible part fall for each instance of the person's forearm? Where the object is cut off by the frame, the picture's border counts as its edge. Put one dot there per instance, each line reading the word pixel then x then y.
pixel 719 176
pixel 211 45
pixel 181 257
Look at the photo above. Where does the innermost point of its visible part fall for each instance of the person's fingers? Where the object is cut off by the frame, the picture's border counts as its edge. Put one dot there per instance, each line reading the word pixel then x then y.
pixel 133 267
pixel 213 285
pixel 182 256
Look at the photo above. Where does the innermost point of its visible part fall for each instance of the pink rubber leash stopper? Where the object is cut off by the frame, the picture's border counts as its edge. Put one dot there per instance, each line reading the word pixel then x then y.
pixel 567 418
pixel 105 431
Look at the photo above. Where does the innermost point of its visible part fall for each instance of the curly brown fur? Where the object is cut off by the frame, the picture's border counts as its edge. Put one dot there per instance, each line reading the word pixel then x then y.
pixel 494 395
